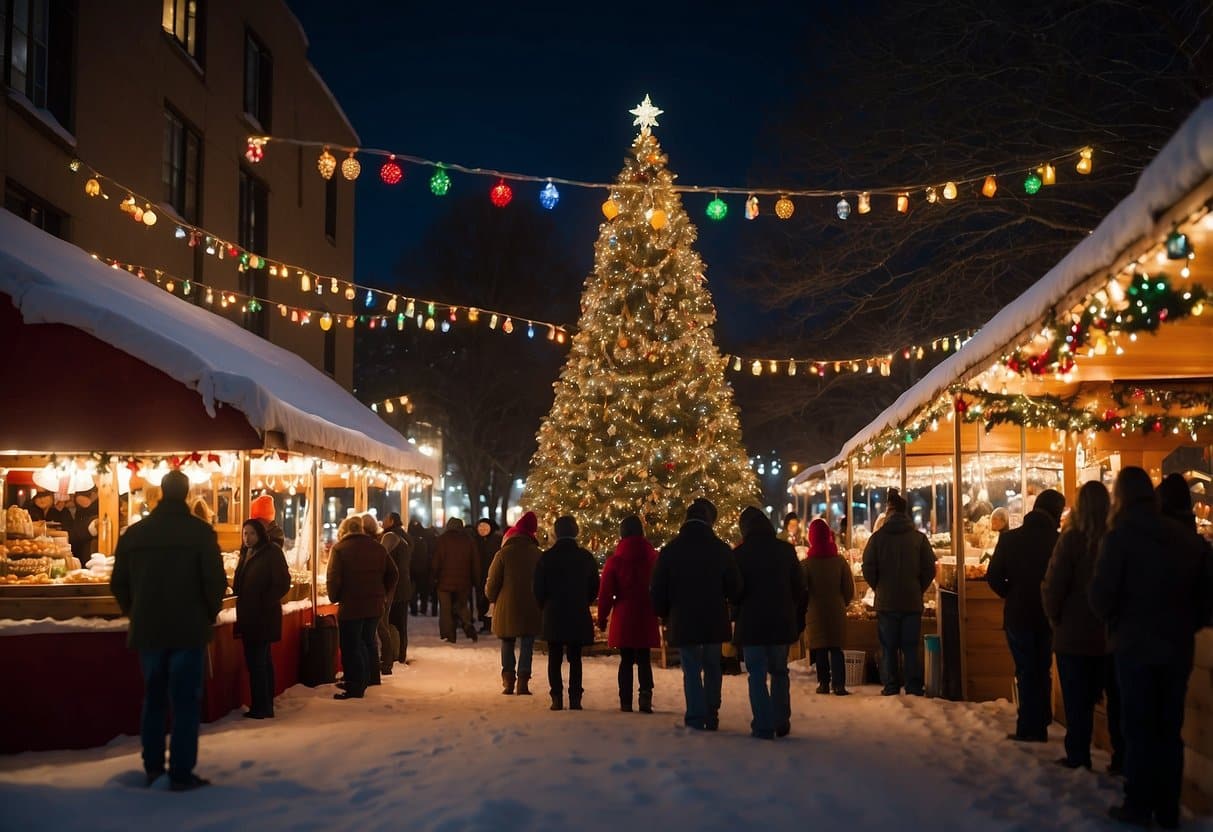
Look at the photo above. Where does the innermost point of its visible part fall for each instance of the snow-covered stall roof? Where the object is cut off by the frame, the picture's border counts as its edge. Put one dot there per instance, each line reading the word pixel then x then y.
pixel 51 281
pixel 1183 163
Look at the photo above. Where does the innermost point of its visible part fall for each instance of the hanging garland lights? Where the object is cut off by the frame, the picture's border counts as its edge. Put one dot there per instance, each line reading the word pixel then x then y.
pixel 1111 313
pixel 822 367
pixel 898 197
pixel 391 318
pixel 390 405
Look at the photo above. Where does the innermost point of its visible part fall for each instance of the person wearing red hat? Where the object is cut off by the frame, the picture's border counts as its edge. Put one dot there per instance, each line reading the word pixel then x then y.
pixel 263 509
pixel 516 615
pixel 831 588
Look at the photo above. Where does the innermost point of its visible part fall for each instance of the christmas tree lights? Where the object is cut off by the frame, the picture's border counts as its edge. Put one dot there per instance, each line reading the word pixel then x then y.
pixel 643 421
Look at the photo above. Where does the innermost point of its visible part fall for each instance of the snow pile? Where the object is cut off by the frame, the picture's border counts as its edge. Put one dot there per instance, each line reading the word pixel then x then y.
pixel 438 748
pixel 51 281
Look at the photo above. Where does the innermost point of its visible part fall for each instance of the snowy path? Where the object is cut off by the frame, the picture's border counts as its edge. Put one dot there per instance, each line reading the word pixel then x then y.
pixel 439 748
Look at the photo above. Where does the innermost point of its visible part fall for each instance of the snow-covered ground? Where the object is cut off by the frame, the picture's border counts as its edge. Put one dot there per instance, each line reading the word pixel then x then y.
pixel 437 747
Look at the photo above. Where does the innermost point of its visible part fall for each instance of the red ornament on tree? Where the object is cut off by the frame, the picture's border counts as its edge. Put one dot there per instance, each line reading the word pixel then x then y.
pixel 391 173
pixel 1157 426
pixel 962 406
pixel 669 466
pixel 501 194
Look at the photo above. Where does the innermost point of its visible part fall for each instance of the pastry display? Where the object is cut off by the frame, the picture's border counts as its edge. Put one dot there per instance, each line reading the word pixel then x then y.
pixel 51 547
pixel 17 522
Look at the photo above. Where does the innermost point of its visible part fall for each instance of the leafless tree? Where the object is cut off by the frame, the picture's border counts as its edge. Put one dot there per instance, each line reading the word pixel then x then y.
pixel 925 91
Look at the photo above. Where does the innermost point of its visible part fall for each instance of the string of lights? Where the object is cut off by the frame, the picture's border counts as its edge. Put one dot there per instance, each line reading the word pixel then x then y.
pixel 428 315
pixel 1035 176
pixel 882 363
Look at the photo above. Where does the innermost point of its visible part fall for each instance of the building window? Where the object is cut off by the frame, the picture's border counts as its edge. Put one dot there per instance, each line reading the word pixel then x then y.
pixel 184 20
pixel 258 80
pixel 254 224
pixel 330 352
pixel 330 209
pixel 182 166
pixel 34 210
pixel 39 53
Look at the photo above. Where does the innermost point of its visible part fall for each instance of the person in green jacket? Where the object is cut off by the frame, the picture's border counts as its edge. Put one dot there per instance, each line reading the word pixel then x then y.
pixel 168 579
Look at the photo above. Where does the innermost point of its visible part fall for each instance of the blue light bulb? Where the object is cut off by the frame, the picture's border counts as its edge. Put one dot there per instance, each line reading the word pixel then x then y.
pixel 549 196
pixel 530 331
pixel 370 298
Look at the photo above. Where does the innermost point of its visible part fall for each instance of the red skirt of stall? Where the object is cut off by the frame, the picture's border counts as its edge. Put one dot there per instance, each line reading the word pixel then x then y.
pixel 82 689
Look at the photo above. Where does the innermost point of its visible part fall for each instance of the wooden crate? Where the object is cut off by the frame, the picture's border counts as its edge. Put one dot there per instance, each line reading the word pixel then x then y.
pixel 989 668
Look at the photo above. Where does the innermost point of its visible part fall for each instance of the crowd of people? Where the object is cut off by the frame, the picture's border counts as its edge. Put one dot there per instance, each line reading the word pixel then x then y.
pixel 1118 595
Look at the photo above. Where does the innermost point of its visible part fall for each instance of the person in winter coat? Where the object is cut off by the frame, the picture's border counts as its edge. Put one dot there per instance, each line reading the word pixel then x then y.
pixel 488 541
pixel 1017 569
pixel 456 568
pixel 262 508
pixel 770 616
pixel 78 519
pixel 694 581
pixel 831 588
pixel 361 580
pixel 791 532
pixel 510 586
pixel 420 560
pixel 899 565
pixel 623 599
pixel 1078 636
pixel 565 584
pixel 400 549
pixel 168 579
pixel 1175 500
pixel 262 578
pixel 1153 587
pixel 891 498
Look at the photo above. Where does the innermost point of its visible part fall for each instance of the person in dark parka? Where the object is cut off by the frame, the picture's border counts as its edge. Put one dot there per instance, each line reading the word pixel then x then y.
pixel 1153 587
pixel 456 573
pixel 400 547
pixel 623 598
pixel 420 570
pixel 262 578
pixel 168 579
pixel 831 587
pixel 488 540
pixel 1017 570
pixel 899 565
pixel 770 616
pixel 361 580
pixel 1078 636
pixel 694 581
pixel 566 583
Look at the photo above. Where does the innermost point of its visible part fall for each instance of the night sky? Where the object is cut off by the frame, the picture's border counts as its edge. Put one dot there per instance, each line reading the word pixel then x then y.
pixel 539 90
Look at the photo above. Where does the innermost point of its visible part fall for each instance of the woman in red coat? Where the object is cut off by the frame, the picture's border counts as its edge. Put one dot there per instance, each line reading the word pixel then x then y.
pixel 625 591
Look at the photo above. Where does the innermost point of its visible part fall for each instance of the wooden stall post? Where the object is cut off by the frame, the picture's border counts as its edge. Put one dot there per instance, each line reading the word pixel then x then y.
pixel 107 510
pixel 850 500
pixel 316 510
pixel 240 507
pixel 958 549
pixel 1023 472
pixel 903 471
pixel 360 492
pixel 1069 468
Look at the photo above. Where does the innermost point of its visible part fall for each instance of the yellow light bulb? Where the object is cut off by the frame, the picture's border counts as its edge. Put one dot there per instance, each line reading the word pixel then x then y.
pixel 1084 160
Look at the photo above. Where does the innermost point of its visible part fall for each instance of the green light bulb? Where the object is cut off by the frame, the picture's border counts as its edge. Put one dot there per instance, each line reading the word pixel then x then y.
pixel 717 209
pixel 1032 184
pixel 440 182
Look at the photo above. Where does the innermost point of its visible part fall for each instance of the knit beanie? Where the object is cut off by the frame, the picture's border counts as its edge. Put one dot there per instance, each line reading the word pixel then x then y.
pixel 262 508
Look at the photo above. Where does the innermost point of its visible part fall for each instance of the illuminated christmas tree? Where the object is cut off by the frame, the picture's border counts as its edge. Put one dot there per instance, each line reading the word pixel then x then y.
pixel 643 421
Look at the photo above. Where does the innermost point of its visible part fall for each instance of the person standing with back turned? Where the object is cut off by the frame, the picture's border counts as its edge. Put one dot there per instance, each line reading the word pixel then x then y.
pixel 566 583
pixel 694 582
pixel 899 565
pixel 168 579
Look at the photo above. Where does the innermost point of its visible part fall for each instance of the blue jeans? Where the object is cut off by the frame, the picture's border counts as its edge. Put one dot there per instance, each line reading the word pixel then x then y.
pixel 258 658
pixel 1082 680
pixel 701 683
pixel 772 709
pixel 1033 655
pixel 172 680
pixel 524 655
pixel 898 633
pixel 1152 713
pixel 359 654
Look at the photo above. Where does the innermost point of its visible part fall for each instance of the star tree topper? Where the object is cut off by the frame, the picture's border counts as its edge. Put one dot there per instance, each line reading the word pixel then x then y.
pixel 646 115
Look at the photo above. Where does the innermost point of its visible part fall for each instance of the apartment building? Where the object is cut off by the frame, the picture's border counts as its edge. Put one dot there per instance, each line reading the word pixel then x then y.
pixel 162 95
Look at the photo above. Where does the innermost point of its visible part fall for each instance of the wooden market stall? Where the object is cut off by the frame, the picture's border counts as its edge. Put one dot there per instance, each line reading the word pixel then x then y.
pixel 112 383
pixel 1105 362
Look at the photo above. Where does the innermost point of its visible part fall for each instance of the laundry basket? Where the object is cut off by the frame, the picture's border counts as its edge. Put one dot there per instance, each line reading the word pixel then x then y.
pixel 855 663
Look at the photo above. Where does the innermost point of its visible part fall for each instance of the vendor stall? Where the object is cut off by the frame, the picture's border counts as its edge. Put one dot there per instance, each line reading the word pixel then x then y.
pixel 144 383
pixel 1106 362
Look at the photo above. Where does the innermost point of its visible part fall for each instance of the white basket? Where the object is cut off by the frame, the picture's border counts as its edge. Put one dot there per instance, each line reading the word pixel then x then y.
pixel 854 660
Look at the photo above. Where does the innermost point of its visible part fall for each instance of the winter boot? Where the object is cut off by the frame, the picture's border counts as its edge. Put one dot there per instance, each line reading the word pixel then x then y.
pixel 646 701
pixel 524 684
pixel 625 701
pixel 575 700
pixel 557 701
pixel 507 683
pixel 824 687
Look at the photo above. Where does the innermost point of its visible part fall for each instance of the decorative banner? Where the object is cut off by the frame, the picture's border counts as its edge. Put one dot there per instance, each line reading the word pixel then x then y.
pixel 427 314
pixel 822 367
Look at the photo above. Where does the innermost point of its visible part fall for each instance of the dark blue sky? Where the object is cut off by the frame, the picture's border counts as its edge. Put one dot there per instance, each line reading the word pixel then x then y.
pixel 546 91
